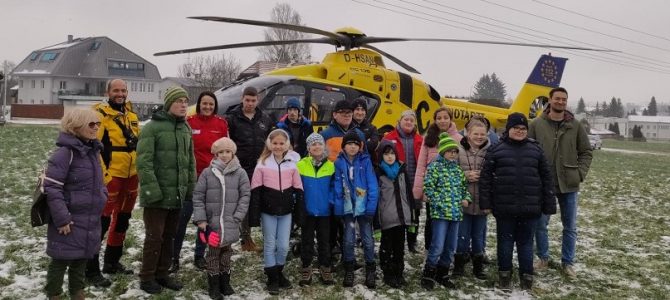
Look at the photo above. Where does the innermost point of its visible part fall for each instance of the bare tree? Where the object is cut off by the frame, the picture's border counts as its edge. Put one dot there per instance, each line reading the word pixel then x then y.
pixel 284 13
pixel 212 71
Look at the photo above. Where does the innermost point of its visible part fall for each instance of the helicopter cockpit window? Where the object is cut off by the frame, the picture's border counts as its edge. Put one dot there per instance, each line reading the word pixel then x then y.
pixel 372 105
pixel 323 102
pixel 276 108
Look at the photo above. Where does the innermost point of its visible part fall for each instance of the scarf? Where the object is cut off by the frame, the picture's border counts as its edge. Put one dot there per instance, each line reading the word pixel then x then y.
pixel 391 171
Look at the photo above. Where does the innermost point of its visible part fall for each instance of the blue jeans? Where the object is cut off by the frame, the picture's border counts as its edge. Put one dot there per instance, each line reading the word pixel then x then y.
pixel 184 220
pixel 568 205
pixel 365 230
pixel 276 233
pixel 472 228
pixel 519 230
pixel 443 242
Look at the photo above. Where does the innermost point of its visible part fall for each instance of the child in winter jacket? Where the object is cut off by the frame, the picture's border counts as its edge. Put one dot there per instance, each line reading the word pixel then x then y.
pixel 220 202
pixel 356 194
pixel 446 188
pixel 316 172
pixel 276 193
pixel 394 212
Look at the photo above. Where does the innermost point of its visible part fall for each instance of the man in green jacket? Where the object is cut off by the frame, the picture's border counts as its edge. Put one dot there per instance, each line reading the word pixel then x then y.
pixel 567 148
pixel 166 169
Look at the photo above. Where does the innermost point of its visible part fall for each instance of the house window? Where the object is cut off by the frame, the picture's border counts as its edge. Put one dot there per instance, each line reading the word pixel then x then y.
pixel 34 56
pixel 42 83
pixel 115 64
pixel 32 83
pixel 20 84
pixel 151 87
pixel 32 101
pixel 95 45
pixel 42 101
pixel 63 85
pixel 49 56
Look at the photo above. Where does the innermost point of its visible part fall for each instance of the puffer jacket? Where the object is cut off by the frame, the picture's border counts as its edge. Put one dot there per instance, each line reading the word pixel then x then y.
pixel 470 160
pixel 221 198
pixel 567 149
pixel 119 159
pixel 516 181
pixel 395 200
pixel 276 189
pixel 318 186
pixel 165 162
pixel 446 187
pixel 333 135
pixel 80 200
pixel 206 130
pixel 248 135
pixel 358 194
pixel 426 156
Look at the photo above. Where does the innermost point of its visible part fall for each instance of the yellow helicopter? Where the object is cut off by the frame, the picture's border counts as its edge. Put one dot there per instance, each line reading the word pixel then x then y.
pixel 358 71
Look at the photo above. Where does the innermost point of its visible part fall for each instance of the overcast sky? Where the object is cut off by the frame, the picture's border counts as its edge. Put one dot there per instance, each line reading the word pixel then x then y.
pixel 642 33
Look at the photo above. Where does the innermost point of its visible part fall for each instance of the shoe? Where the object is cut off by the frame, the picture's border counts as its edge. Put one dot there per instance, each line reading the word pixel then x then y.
pixel 78 295
pixel 248 245
pixel 200 263
pixel 213 286
pixel 459 264
pixel 569 271
pixel 224 284
pixel 326 276
pixel 486 260
pixel 174 267
pixel 371 275
pixel 97 280
pixel 428 278
pixel 526 281
pixel 478 266
pixel 541 265
pixel 115 268
pixel 284 283
pixel 306 276
pixel 505 280
pixel 412 248
pixel 389 278
pixel 442 276
pixel 399 276
pixel 348 280
pixel 111 261
pixel 170 283
pixel 272 284
pixel 151 287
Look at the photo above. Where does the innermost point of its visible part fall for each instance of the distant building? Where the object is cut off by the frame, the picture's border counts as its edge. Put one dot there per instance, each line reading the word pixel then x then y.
pixel 653 127
pixel 75 73
pixel 192 87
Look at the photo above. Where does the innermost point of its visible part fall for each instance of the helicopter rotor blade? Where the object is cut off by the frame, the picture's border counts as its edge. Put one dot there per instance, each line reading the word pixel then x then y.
pixel 394 59
pixel 249 44
pixel 343 40
pixel 372 39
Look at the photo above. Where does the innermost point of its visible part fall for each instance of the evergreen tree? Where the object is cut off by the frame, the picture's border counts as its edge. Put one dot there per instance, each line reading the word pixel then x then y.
pixel 645 112
pixel 605 109
pixel 581 106
pixel 652 109
pixel 615 129
pixel 490 90
pixel 620 109
pixel 597 112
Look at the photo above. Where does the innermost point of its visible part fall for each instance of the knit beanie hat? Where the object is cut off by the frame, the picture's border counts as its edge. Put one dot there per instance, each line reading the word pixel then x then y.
pixel 172 94
pixel 446 143
pixel 360 103
pixel 314 138
pixel 515 119
pixel 293 102
pixel 223 144
pixel 351 137
pixel 407 113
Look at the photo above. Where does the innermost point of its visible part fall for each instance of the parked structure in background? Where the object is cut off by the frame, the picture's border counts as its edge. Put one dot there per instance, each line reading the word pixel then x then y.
pixel 652 127
pixel 75 72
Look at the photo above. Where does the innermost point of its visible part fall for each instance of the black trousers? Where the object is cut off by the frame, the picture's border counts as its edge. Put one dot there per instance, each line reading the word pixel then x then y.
pixel 320 226
pixel 427 229
pixel 392 248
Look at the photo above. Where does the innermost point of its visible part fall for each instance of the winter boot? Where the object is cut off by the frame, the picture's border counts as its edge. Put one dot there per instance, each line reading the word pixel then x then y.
pixel 326 276
pixel 306 276
pixel 505 280
pixel 442 276
pixel 213 286
pixel 248 244
pixel 151 287
pixel 459 264
pixel 348 274
pixel 370 275
pixel 174 267
pixel 170 283
pixel 389 276
pixel 78 295
pixel 224 284
pixel 399 270
pixel 478 266
pixel 93 275
pixel 200 262
pixel 112 264
pixel 284 283
pixel 273 280
pixel 428 278
pixel 526 281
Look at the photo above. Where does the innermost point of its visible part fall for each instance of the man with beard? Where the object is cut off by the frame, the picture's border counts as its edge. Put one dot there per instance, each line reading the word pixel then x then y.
pixel 370 131
pixel 118 133
pixel 567 148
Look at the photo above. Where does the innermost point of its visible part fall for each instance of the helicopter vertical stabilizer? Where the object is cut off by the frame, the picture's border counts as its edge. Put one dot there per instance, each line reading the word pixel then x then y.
pixel 533 95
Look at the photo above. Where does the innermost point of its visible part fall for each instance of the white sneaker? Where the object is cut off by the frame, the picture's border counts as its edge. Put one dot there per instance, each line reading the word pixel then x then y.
pixel 569 271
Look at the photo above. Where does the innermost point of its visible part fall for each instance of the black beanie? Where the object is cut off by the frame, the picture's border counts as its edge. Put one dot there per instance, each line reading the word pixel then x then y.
pixel 351 137
pixel 360 103
pixel 515 119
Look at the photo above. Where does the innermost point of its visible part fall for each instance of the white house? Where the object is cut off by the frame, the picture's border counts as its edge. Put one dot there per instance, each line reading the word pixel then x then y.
pixel 653 127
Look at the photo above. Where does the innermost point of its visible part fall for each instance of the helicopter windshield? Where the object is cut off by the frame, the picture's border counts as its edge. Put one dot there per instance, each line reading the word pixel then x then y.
pixel 230 95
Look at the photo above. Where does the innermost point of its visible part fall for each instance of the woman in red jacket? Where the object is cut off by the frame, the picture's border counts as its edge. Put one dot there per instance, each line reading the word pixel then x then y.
pixel 207 127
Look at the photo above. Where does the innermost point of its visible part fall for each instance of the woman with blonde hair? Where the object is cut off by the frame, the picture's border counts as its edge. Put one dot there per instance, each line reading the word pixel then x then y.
pixel 76 195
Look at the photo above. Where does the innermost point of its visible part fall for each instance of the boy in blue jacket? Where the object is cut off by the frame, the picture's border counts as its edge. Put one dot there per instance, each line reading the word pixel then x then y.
pixel 356 193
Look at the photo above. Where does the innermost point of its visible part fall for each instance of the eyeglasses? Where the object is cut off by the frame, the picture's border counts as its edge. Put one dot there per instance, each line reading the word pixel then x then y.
pixel 345 112
pixel 520 128
pixel 181 101
pixel 93 124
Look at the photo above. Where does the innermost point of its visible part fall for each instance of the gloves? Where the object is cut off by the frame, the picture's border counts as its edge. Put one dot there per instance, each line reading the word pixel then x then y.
pixel 209 237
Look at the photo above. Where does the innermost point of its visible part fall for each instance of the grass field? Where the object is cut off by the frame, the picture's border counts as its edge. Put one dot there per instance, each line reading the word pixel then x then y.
pixel 623 248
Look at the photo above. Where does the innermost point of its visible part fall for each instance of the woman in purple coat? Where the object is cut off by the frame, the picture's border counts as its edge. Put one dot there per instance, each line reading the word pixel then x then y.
pixel 76 195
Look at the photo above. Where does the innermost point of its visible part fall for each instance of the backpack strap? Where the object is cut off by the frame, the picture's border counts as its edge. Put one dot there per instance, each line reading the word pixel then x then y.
pixel 44 177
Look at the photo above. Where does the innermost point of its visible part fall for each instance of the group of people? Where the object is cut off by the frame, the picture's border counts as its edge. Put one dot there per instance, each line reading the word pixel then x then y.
pixel 229 174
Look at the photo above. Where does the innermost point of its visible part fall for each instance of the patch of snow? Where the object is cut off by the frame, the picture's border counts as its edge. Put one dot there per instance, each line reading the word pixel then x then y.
pixel 27 72
pixel 634 151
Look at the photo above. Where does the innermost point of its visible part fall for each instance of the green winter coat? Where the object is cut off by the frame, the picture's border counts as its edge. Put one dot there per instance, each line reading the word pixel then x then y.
pixel 165 162
pixel 567 149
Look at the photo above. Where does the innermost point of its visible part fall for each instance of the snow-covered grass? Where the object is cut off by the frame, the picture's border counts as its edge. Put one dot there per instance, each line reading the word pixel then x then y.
pixel 623 248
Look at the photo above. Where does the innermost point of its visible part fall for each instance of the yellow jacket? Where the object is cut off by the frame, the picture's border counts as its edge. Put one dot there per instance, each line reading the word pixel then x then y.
pixel 118 159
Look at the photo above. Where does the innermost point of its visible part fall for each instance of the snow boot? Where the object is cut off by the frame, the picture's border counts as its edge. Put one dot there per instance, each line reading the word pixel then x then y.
pixel 284 283
pixel 213 287
pixel 526 281
pixel 478 266
pixel 459 264
pixel 348 274
pixel 273 280
pixel 428 278
pixel 505 280
pixel 442 276
pixel 370 275
pixel 224 284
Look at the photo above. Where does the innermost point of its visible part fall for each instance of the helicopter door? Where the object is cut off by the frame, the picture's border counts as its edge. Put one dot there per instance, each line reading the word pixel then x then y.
pixel 275 106
pixel 322 102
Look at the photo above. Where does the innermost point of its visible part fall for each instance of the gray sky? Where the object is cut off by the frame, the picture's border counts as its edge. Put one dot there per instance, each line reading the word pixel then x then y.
pixel 150 26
